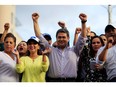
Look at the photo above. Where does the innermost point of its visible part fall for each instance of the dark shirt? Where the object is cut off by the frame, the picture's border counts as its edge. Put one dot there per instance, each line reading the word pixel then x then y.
pixel 1 46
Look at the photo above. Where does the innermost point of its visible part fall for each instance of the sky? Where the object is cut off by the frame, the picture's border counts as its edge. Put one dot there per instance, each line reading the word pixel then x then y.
pixel 97 18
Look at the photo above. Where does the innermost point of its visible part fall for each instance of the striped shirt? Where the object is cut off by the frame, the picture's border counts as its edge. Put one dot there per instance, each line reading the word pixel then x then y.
pixel 63 64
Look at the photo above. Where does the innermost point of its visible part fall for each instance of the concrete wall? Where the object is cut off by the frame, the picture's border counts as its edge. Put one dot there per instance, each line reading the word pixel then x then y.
pixel 7 15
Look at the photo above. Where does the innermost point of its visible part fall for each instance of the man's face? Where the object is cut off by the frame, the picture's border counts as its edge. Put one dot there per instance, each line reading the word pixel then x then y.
pixel 109 33
pixel 62 40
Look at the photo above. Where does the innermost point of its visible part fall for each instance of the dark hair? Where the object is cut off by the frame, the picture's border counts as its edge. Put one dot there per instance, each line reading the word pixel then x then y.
pixel 47 36
pixel 102 35
pixel 10 35
pixel 109 28
pixel 62 31
pixel 114 39
pixel 94 33
pixel 92 52
pixel 20 42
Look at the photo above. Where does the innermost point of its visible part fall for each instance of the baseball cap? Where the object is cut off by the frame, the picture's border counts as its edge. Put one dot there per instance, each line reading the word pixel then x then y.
pixel 33 38
pixel 47 36
pixel 109 28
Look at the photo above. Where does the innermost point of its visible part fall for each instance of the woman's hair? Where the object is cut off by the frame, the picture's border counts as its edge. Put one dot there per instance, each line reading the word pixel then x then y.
pixel 93 33
pixel 92 52
pixel 102 35
pixel 10 35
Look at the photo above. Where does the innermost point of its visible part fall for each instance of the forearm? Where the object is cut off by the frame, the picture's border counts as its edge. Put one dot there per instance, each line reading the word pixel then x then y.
pixel 102 56
pixel 45 65
pixel 3 35
pixel 79 45
pixel 75 39
pixel 36 29
pixel 20 67
pixel 18 61
pixel 83 32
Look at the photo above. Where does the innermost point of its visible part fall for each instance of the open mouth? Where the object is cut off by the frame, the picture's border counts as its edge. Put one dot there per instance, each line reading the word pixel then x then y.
pixel 21 49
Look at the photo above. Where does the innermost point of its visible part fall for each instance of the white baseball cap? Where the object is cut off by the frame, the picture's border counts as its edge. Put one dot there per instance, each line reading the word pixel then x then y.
pixel 33 38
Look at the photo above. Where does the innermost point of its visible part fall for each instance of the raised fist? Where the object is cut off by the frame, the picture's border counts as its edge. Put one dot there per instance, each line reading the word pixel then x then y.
pixel 78 30
pixel 35 16
pixel 88 31
pixel 61 24
pixel 83 17
pixel 6 26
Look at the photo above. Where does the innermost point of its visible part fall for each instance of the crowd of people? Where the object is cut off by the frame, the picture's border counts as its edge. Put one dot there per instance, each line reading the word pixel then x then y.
pixel 90 59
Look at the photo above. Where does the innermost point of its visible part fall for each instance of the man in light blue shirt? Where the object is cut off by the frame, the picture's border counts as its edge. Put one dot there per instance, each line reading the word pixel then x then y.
pixel 63 59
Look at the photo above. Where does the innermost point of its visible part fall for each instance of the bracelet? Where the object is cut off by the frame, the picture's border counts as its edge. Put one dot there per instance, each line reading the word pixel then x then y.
pixel 84 21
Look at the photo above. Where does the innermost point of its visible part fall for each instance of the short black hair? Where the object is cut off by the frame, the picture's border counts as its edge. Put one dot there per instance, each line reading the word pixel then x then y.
pixel 62 31
pixel 47 36
pixel 109 28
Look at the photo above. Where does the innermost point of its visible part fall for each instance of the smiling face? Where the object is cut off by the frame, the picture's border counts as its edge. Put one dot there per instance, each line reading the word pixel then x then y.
pixel 62 40
pixel 33 47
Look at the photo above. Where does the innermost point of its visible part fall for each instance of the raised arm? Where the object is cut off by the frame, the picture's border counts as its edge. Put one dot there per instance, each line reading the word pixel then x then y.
pixel 103 54
pixel 88 31
pixel 82 38
pixel 35 17
pixel 37 31
pixel 83 18
pixel 6 28
pixel 77 31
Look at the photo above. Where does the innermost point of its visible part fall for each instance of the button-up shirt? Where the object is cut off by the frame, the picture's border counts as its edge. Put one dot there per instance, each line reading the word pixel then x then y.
pixel 63 63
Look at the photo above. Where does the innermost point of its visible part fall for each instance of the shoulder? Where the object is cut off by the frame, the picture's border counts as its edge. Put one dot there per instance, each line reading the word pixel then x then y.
pixel 2 53
pixel 24 58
